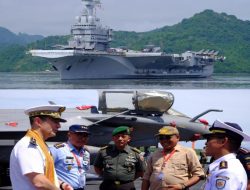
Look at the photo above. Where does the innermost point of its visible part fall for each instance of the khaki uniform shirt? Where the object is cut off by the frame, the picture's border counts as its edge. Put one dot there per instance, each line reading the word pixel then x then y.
pixel 181 166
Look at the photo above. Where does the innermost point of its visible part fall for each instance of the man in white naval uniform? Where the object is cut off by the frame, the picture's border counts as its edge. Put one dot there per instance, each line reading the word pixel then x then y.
pixel 226 171
pixel 31 164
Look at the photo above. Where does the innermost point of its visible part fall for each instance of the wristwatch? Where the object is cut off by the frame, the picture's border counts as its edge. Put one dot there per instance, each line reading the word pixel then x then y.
pixel 61 185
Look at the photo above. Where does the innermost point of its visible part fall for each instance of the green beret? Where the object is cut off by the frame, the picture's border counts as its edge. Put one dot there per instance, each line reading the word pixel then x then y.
pixel 121 129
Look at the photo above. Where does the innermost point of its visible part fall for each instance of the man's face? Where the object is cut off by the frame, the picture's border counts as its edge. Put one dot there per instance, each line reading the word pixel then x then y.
pixel 49 127
pixel 78 139
pixel 213 145
pixel 168 142
pixel 121 140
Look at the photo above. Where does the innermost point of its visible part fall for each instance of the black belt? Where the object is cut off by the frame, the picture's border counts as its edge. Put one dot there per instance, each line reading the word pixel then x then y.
pixel 117 182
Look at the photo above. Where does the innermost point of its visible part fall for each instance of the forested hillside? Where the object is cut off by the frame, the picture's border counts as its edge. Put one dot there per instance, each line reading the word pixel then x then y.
pixel 7 38
pixel 205 30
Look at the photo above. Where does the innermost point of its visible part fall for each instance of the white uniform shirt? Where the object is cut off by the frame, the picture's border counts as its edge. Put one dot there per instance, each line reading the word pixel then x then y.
pixel 25 158
pixel 226 173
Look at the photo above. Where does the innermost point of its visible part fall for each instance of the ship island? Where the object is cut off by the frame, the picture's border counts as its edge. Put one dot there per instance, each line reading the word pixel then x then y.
pixel 88 55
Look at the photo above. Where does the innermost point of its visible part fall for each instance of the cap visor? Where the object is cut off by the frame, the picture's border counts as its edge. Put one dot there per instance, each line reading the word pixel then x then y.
pixel 62 120
pixel 222 125
pixel 81 132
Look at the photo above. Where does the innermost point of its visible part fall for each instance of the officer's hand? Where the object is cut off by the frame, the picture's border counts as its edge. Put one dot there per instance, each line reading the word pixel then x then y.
pixel 67 186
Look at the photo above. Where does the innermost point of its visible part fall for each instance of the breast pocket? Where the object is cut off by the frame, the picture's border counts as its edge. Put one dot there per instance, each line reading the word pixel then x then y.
pixel 180 167
pixel 129 166
pixel 157 166
pixel 108 164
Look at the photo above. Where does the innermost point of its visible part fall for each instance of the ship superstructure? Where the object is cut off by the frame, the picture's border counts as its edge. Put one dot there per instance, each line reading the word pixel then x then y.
pixel 87 33
pixel 88 55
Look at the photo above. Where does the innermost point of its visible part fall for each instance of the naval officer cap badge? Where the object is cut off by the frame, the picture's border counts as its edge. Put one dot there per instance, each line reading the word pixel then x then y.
pixel 53 111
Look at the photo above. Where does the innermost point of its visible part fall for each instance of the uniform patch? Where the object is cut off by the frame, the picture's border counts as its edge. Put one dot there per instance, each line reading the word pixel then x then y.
pixel 223 165
pixel 33 141
pixel 136 150
pixel 220 183
pixel 102 148
pixel 68 162
pixel 69 167
pixel 59 145
pixel 129 169
pixel 85 148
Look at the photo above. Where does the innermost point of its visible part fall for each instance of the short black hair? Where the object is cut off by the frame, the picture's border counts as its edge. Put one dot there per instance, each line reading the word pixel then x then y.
pixel 235 143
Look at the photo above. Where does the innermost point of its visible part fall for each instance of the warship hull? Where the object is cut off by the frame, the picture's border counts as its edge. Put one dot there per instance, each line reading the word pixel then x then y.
pixel 79 65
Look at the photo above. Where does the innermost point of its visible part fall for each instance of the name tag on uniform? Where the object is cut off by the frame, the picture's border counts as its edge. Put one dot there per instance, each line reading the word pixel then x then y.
pixel 160 176
pixel 69 160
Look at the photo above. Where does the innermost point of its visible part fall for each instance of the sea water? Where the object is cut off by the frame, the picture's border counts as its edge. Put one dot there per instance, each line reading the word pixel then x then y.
pixel 51 80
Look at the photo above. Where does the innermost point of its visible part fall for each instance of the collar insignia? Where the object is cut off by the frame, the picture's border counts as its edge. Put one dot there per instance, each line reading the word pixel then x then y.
pixel 33 141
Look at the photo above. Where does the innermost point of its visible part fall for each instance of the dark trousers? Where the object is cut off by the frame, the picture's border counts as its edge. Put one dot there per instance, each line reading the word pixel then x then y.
pixel 109 185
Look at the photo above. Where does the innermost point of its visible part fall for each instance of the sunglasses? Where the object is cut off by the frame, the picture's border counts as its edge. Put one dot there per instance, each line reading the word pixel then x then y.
pixel 165 137
pixel 210 137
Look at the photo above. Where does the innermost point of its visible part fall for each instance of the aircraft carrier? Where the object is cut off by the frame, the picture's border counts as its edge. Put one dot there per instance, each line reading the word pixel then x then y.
pixel 89 56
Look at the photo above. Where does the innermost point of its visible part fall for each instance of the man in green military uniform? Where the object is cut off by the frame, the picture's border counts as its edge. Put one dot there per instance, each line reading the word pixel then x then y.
pixel 119 164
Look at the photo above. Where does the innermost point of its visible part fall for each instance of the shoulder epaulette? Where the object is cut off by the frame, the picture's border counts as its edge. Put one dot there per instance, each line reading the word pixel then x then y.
pixel 136 150
pixel 244 150
pixel 33 141
pixel 59 145
pixel 85 148
pixel 223 165
pixel 105 147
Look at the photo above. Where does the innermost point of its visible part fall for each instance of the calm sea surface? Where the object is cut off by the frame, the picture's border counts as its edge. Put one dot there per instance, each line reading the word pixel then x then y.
pixel 51 80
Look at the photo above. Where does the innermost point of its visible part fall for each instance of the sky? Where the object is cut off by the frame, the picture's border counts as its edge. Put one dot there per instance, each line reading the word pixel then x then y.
pixel 55 17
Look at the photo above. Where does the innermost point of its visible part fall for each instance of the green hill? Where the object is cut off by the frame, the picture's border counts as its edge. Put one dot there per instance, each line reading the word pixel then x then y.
pixel 205 30
pixel 8 38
